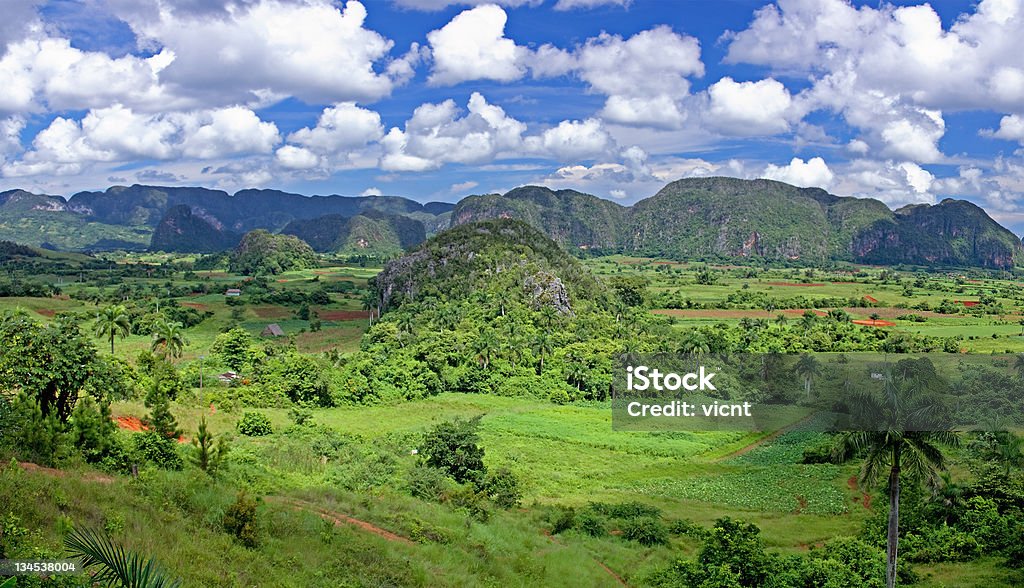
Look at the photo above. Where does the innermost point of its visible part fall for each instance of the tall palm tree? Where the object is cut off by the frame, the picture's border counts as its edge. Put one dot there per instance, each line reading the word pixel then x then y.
pixel 112 321
pixel 807 367
pixel 115 566
pixel 901 431
pixel 369 300
pixel 543 344
pixel 168 337
pixel 486 344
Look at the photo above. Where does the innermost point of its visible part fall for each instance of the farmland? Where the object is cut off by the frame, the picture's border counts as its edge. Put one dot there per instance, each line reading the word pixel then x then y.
pixel 341 485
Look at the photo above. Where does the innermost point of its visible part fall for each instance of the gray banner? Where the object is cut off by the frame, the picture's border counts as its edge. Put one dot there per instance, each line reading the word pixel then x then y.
pixel 817 391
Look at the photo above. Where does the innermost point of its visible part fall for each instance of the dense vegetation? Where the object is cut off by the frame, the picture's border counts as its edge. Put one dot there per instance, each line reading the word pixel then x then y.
pixel 372 232
pixel 261 252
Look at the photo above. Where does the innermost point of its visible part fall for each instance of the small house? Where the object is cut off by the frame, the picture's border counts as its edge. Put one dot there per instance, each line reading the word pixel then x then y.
pixel 272 330
pixel 233 292
pixel 227 377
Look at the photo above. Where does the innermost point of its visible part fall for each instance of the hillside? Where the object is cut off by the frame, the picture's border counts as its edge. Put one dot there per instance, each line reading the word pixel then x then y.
pixel 572 219
pixel 184 231
pixel 261 252
pixel 731 218
pixel 372 233
pixel 47 221
pixel 473 257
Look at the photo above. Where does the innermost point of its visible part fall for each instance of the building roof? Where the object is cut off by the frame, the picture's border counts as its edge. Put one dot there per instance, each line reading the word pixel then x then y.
pixel 272 330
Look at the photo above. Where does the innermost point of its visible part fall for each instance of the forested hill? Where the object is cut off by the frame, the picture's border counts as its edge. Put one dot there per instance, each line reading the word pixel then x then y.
pixel 721 218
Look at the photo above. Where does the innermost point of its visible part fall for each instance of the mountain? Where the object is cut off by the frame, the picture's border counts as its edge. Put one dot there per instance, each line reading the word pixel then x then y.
pixel 731 218
pixel 572 219
pixel 42 220
pixel 183 230
pixel 262 252
pixel 505 255
pixel 371 232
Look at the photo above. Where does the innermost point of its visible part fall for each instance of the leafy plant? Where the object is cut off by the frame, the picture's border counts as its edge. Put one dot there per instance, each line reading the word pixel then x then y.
pixel 255 424
pixel 113 565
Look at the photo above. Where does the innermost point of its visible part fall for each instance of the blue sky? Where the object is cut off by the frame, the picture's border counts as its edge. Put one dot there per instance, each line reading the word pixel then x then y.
pixel 434 100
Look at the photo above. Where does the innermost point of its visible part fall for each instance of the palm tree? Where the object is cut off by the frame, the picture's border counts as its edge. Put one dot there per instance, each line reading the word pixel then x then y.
pixel 369 300
pixel 485 345
pixel 901 431
pixel 168 338
pixel 807 367
pixel 114 565
pixel 543 344
pixel 112 321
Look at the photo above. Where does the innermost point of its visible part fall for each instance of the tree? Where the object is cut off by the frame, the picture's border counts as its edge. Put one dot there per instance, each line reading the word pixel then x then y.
pixel 233 348
pixel 207 456
pixel 369 300
pixel 543 344
pixel 903 431
pixel 168 338
pixel 50 363
pixel 485 345
pixel 452 447
pixel 112 321
pixel 807 367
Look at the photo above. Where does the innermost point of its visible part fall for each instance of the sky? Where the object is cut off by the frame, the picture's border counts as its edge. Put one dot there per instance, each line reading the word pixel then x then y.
pixel 438 99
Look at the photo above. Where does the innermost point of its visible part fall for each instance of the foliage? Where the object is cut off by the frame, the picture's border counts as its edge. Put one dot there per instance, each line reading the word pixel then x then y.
pixel 241 520
pixel 113 565
pixel 261 252
pixel 209 453
pixel 255 424
pixel 112 321
pixel 234 348
pixel 452 447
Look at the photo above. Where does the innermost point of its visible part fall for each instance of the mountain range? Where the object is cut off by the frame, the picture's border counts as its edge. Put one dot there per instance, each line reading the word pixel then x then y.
pixel 695 218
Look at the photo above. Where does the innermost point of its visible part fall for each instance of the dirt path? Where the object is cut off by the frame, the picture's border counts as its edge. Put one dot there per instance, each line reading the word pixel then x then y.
pixel 339 518
pixel 607 569
pixel 751 446
pixel 90 477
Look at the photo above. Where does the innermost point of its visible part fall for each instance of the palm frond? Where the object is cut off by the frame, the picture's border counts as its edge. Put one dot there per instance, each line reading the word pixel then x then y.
pixel 115 567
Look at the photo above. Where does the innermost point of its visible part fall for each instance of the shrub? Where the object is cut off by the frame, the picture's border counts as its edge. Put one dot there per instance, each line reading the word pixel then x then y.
pixel 502 488
pixel 559 396
pixel 592 523
pixel 240 520
pixel 255 424
pixel 429 483
pixel 157 449
pixel 646 531
pixel 565 520
pixel 452 447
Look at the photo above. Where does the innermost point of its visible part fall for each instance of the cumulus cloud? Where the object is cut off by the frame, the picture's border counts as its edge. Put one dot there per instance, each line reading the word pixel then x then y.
pixel 813 173
pixel 574 4
pixel 894 183
pixel 572 140
pixel 297 158
pixel 473 46
pixel 644 77
pixel 891 71
pixel 371 192
pixel 1010 128
pixel 432 5
pixel 748 108
pixel 117 133
pixel 436 134
pixel 341 127
pixel 311 50
pixel 463 187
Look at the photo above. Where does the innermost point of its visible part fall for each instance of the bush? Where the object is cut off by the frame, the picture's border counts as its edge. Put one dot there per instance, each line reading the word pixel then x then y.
pixel 559 396
pixel 255 424
pixel 502 488
pixel 240 520
pixel 646 531
pixel 565 520
pixel 429 483
pixel 452 447
pixel 161 451
pixel 592 523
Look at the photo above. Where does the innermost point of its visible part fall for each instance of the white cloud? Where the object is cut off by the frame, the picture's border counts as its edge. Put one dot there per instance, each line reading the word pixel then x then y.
pixel 298 158
pixel 644 76
pixel 341 127
pixel 813 173
pixel 572 140
pixel 371 192
pixel 309 49
pixel 748 108
pixel 432 5
pixel 894 183
pixel 463 187
pixel 473 47
pixel 10 136
pixel 574 4
pixel 117 133
pixel 1010 128
pixel 436 135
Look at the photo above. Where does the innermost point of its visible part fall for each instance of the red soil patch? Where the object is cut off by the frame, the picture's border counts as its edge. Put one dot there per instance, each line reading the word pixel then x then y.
pixel 339 519
pixel 864 499
pixel 871 299
pixel 132 423
pixel 282 281
pixel 343 315
pixel 794 284
pixel 874 323
pixel 968 303
pixel 46 311
pixel 195 305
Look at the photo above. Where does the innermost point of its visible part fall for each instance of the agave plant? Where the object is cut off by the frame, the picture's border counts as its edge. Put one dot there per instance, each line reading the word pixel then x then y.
pixel 115 567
